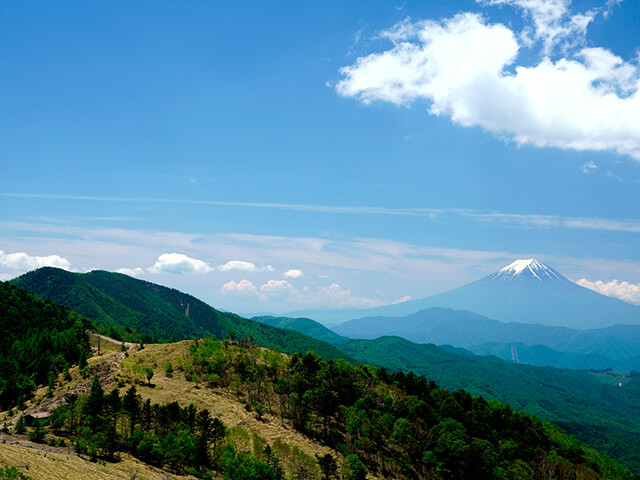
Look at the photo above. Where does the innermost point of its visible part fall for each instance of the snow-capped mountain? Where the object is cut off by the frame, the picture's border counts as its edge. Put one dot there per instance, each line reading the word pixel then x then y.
pixel 529 268
pixel 525 291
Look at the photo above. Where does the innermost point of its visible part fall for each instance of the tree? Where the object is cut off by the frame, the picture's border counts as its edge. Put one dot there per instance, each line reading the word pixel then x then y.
pixel 21 426
pixel 95 402
pixel 328 466
pixel 37 433
pixel 149 373
pixel 354 469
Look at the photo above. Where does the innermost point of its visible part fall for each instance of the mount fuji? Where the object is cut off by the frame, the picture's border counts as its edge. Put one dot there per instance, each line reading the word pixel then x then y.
pixel 525 291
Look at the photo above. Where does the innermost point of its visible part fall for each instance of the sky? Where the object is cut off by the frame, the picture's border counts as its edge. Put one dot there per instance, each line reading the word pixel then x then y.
pixel 277 156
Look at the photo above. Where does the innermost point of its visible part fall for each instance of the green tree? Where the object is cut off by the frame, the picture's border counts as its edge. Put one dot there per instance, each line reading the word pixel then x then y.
pixel 354 469
pixel 95 402
pixel 37 433
pixel 21 426
pixel 328 466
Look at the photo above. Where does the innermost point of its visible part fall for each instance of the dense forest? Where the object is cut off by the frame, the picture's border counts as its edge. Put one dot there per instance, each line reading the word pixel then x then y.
pixel 38 340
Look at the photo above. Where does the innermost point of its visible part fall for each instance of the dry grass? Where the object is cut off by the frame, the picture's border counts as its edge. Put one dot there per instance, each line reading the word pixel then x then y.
pixel 39 465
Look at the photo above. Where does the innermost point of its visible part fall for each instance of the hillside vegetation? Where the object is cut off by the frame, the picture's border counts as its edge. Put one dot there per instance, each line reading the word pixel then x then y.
pixel 244 412
pixel 602 415
pixel 117 300
pixel 38 340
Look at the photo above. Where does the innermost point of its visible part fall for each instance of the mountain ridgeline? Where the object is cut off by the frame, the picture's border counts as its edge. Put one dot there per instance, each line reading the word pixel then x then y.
pixel 117 300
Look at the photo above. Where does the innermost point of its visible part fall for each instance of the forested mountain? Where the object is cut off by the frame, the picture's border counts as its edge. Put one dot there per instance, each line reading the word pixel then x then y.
pixel 114 299
pixel 38 339
pixel 304 325
pixel 602 415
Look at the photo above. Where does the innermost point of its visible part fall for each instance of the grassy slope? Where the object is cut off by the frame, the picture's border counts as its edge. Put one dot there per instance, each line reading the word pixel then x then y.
pixel 603 415
pixel 114 299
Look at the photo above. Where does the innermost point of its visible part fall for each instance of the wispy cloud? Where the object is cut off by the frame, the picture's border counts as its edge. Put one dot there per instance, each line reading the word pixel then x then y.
pixel 527 220
pixel 468 69
pixel 244 266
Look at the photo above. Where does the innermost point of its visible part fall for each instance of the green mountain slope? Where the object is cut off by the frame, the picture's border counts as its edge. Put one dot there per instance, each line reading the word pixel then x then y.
pixel 603 415
pixel 37 339
pixel 114 299
pixel 304 325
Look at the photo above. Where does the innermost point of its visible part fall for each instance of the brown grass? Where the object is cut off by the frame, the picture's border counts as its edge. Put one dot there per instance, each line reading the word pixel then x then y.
pixel 39 465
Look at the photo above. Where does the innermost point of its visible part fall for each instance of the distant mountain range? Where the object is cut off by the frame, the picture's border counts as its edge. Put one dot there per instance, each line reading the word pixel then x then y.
pixel 114 299
pixel 526 291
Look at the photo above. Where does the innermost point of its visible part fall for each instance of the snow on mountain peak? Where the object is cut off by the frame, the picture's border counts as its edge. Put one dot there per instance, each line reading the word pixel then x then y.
pixel 531 267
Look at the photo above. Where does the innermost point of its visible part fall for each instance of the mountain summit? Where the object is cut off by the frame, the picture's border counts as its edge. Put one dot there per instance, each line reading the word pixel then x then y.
pixel 529 268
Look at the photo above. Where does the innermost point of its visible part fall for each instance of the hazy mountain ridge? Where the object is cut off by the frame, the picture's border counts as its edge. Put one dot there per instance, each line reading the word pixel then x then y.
pixel 515 293
pixel 618 345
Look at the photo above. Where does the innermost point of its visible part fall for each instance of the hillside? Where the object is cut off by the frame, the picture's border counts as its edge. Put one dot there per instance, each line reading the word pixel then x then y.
pixel 603 415
pixel 114 299
pixel 38 340
pixel 247 413
pixel 304 325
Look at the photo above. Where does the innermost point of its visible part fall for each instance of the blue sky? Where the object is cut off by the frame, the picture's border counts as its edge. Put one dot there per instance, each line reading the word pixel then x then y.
pixel 273 156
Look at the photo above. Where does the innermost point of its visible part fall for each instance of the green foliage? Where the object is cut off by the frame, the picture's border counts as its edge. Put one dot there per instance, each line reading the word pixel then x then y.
pixel 12 473
pixel 37 340
pixel 601 415
pixel 395 424
pixel 37 433
pixel 20 426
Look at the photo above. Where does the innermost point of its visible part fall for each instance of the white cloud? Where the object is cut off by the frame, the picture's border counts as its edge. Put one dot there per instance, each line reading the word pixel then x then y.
pixel 466 67
pixel 588 167
pixel 293 273
pixel 552 24
pixel 179 263
pixel 5 277
pixel 132 272
pixel 20 261
pixel 625 291
pixel 242 288
pixel 406 298
pixel 244 266
pixel 333 296
pixel 276 287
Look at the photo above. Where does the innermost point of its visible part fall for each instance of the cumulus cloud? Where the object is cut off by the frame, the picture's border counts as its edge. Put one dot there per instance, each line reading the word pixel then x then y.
pixel 293 273
pixel 132 272
pixel 242 288
pixel 20 261
pixel 244 266
pixel 334 296
pixel 276 287
pixel 467 68
pixel 625 291
pixel 179 263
